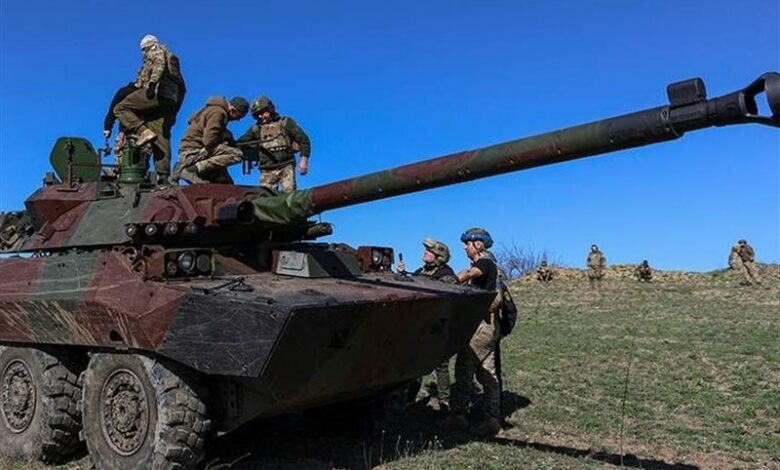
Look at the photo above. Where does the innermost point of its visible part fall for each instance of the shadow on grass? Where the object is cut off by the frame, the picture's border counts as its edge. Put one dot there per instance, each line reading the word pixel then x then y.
pixel 628 460
pixel 312 443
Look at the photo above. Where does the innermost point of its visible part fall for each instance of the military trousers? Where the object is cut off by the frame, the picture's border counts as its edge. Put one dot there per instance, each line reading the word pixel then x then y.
pixel 477 360
pixel 212 167
pixel 750 272
pixel 136 110
pixel 595 275
pixel 279 178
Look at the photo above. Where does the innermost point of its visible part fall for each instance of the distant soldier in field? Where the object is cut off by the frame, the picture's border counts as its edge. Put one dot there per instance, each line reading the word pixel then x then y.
pixel 148 113
pixel 748 258
pixel 643 272
pixel 276 140
pixel 544 273
pixel 207 148
pixel 597 263
pixel 435 257
pixel 477 359
pixel 735 262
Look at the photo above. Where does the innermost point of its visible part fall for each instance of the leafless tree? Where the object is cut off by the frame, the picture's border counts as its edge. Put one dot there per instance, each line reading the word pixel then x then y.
pixel 517 261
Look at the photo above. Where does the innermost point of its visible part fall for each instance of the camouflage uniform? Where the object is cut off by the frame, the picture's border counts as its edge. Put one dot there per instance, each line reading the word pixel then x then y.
pixel 156 101
pixel 274 144
pixel 208 145
pixel 441 271
pixel 734 260
pixel 643 272
pixel 543 273
pixel 597 262
pixel 478 359
pixel 748 258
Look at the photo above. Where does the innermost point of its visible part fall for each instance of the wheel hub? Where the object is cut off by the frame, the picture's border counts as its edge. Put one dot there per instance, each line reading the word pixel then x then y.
pixel 18 396
pixel 124 412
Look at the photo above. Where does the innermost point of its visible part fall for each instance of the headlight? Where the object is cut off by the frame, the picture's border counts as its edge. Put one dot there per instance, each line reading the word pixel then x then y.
pixel 203 263
pixel 376 257
pixel 187 261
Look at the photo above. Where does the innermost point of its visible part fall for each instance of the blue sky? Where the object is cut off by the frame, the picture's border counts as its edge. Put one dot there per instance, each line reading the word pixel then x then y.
pixel 378 85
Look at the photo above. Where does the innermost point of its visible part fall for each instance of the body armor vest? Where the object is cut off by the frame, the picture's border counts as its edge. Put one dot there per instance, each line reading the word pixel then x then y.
pixel 274 138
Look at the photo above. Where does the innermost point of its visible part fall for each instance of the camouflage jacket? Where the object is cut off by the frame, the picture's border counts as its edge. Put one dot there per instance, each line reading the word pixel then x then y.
pixel 597 260
pixel 208 126
pixel 160 66
pixel 643 272
pixel 746 253
pixel 278 156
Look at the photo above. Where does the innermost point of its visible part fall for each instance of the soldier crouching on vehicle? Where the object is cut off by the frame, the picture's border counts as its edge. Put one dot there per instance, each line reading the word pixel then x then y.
pixel 273 141
pixel 207 148
pixel 435 258
pixel 476 359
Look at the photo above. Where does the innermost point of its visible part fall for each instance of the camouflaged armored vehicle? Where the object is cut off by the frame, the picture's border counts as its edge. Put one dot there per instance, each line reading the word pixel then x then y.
pixel 144 318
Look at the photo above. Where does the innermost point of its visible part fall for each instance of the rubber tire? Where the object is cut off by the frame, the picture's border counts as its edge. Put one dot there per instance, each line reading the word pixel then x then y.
pixel 53 433
pixel 178 420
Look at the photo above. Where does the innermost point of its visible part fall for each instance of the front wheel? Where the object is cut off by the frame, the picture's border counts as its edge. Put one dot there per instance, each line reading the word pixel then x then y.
pixel 39 393
pixel 142 413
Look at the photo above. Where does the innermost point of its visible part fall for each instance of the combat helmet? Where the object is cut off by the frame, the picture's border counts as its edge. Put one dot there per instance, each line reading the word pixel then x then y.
pixel 439 249
pixel 477 234
pixel 260 104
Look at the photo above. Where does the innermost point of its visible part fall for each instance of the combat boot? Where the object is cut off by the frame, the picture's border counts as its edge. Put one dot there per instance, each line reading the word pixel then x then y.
pixel 487 427
pixel 454 422
pixel 144 137
pixel 190 175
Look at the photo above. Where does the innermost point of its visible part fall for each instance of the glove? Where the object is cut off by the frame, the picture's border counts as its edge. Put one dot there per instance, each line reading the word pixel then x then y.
pixel 151 90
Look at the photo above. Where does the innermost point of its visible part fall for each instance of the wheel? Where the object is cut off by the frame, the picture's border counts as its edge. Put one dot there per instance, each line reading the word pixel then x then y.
pixel 142 413
pixel 39 394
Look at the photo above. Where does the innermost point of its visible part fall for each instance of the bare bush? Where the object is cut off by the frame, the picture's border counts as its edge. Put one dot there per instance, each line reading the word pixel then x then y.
pixel 517 261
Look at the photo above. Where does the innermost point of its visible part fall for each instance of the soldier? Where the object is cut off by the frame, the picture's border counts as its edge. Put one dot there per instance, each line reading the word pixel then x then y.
pixel 277 139
pixel 748 258
pixel 477 357
pixel 643 272
pixel 543 273
pixel 435 258
pixel 149 112
pixel 597 262
pixel 734 261
pixel 208 148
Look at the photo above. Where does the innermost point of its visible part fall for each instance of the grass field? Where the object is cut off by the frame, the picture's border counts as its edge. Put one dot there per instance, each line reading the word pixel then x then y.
pixel 697 358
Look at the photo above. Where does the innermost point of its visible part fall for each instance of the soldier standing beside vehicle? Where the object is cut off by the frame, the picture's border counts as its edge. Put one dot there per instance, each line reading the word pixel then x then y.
pixel 748 258
pixel 435 258
pixel 207 148
pixel 597 263
pixel 543 273
pixel 476 359
pixel 643 272
pixel 158 96
pixel 276 140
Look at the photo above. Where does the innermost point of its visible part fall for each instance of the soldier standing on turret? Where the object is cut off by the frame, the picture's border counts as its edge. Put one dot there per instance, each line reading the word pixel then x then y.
pixel 158 96
pixel 277 139
pixel 749 268
pixel 643 272
pixel 207 148
pixel 597 263
pixel 476 359
pixel 435 259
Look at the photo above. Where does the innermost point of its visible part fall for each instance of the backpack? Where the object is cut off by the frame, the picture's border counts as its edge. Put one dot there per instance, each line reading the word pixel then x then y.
pixel 507 313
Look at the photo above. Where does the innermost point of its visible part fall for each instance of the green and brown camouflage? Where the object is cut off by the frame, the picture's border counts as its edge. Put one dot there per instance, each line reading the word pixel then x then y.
pixel 229 282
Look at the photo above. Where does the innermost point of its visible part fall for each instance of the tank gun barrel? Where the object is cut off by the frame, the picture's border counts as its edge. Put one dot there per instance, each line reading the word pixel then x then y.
pixel 688 110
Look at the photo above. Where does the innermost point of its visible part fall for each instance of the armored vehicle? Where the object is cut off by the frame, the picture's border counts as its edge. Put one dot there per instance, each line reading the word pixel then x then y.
pixel 144 318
